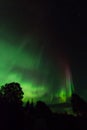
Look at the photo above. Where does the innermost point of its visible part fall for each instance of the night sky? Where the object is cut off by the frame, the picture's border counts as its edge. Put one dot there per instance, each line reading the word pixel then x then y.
pixel 40 42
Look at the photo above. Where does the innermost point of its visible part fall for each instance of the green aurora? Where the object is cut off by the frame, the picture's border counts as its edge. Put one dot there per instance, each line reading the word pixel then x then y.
pixel 24 61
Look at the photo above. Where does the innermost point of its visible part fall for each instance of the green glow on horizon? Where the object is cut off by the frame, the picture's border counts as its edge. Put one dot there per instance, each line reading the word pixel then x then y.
pixel 67 88
pixel 69 83
pixel 15 61
pixel 62 95
pixel 37 75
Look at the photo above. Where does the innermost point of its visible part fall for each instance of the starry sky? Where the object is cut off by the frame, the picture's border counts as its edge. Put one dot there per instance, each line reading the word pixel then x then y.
pixel 39 40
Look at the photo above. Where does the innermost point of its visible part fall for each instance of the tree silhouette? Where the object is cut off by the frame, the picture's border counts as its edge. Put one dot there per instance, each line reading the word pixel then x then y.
pixel 11 92
pixel 78 104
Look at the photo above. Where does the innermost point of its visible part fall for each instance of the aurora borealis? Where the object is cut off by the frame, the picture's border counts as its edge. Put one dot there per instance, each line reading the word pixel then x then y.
pixel 34 50
pixel 39 77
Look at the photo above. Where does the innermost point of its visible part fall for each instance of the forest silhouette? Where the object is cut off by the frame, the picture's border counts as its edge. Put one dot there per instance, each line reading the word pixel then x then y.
pixel 16 116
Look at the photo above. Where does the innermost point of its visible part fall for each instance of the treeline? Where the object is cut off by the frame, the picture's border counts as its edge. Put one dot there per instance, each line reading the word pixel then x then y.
pixel 15 116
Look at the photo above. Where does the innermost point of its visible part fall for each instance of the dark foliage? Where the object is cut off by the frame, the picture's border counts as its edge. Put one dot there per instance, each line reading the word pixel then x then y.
pixel 12 93
pixel 78 104
pixel 39 116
